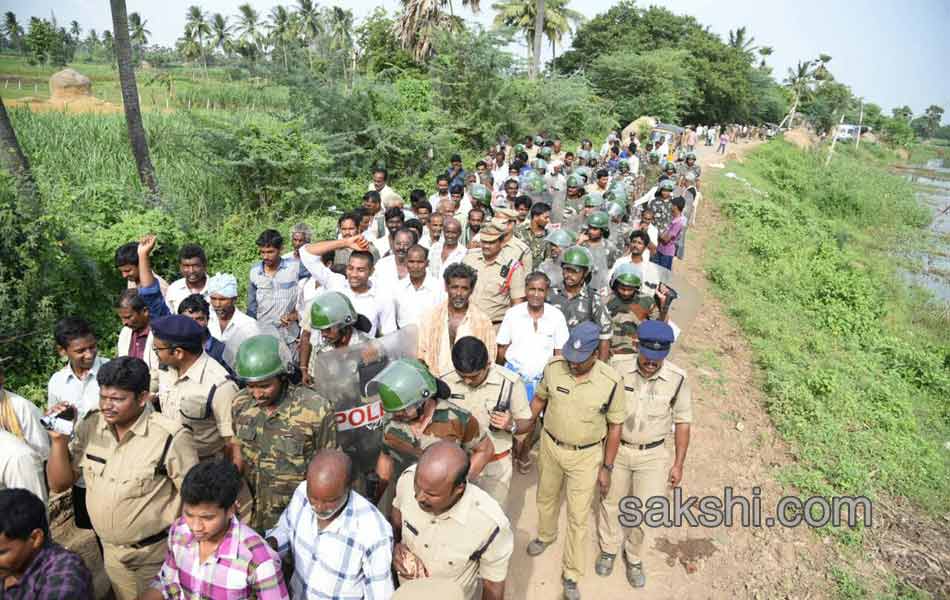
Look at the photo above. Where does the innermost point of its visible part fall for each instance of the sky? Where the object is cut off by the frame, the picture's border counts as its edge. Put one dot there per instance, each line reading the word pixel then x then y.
pixel 889 52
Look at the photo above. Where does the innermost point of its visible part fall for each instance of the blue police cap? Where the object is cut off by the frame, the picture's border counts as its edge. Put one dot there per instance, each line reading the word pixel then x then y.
pixel 655 338
pixel 177 329
pixel 582 342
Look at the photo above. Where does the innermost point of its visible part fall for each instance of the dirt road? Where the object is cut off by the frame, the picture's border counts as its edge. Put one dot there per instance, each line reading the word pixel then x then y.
pixel 733 444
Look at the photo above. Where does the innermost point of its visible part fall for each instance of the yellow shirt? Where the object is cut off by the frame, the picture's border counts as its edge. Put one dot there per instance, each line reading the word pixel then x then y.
pixel 578 412
pixel 493 292
pixel 650 415
pixel 480 401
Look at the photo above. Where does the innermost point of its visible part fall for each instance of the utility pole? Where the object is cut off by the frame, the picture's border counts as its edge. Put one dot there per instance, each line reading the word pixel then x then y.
pixel 833 140
pixel 860 121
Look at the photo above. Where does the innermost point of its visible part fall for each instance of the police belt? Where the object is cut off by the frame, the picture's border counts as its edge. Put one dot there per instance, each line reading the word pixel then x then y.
pixel 152 539
pixel 643 446
pixel 572 446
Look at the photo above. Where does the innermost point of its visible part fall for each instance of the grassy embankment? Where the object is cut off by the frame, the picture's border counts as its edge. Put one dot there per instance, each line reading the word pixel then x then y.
pixel 855 364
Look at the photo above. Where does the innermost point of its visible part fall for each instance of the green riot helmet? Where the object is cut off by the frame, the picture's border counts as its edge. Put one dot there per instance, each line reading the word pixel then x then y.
pixel 538 140
pixel 480 194
pixel 594 200
pixel 624 166
pixel 577 256
pixel 669 167
pixel 690 156
pixel 614 210
pixel 532 183
pixel 583 155
pixel 403 384
pixel 519 148
pixel 575 181
pixel 616 192
pixel 560 237
pixel 541 165
pixel 545 152
pixel 626 274
pixel 331 309
pixel 584 172
pixel 258 358
pixel 599 219
pixel 654 157
pixel 667 184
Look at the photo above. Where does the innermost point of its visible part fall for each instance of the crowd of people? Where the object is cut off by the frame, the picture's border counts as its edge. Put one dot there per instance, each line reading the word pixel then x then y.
pixel 353 431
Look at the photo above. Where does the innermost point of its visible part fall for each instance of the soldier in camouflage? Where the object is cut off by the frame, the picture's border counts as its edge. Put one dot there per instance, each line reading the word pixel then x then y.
pixel 558 241
pixel 339 325
pixel 533 232
pixel 662 207
pixel 279 425
pixel 418 415
pixel 596 238
pixel 577 300
pixel 628 308
pixel 649 174
pixel 690 166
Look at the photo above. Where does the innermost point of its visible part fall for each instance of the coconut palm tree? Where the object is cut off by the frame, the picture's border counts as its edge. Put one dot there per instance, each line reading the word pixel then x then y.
pixel 75 30
pixel 196 23
pixel 220 33
pixel 13 30
pixel 764 52
pixel 421 19
pixel 249 32
pixel 741 41
pixel 799 80
pixel 138 34
pixel 282 30
pixel 310 21
pixel 339 36
pixel 522 14
pixel 130 97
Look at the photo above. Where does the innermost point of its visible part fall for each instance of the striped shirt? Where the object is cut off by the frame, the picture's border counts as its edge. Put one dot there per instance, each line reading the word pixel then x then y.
pixel 242 566
pixel 269 297
pixel 349 559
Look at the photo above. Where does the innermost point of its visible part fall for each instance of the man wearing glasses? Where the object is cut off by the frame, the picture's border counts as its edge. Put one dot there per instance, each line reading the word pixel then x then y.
pixel 193 388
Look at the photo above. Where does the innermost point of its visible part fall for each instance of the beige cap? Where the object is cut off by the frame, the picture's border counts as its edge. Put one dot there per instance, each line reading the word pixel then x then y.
pixel 429 589
pixel 510 213
pixel 490 232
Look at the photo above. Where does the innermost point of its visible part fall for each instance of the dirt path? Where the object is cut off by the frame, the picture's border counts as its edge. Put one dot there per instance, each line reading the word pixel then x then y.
pixel 733 444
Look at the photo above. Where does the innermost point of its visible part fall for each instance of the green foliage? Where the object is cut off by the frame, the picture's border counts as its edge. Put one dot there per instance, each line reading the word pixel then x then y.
pixel 655 83
pixel 852 375
pixel 381 52
pixel 46 44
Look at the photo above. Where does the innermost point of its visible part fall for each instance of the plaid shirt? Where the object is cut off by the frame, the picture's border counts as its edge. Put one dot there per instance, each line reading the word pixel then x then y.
pixel 350 559
pixel 55 574
pixel 243 566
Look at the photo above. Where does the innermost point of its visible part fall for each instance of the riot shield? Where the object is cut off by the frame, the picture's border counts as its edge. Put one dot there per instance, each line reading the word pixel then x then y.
pixel 234 342
pixel 600 272
pixel 340 375
pixel 685 300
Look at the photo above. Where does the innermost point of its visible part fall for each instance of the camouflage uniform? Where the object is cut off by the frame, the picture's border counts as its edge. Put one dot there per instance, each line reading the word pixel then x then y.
pixel 277 448
pixel 585 306
pixel 695 169
pixel 535 243
pixel 662 213
pixel 651 175
pixel 449 422
pixel 626 317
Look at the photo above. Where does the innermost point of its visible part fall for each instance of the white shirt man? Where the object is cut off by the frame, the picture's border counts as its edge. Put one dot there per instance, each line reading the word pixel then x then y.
pixel 412 302
pixel 178 290
pixel 437 266
pixel 81 394
pixel 376 303
pixel 531 344
pixel 20 467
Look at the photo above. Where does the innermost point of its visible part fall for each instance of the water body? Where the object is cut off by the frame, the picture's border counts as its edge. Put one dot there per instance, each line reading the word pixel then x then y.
pixel 933 191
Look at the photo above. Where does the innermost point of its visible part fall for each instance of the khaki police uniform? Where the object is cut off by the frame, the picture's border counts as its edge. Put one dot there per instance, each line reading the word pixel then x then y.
pixel 642 465
pixel 132 491
pixel 472 540
pixel 500 384
pixel 572 450
pixel 493 291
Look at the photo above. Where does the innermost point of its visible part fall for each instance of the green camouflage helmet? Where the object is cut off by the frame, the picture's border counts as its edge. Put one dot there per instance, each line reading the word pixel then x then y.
pixel 626 274
pixel 331 309
pixel 480 194
pixel 575 181
pixel 624 166
pixel 519 148
pixel 545 152
pixel 560 237
pixel 594 200
pixel 577 256
pixel 258 359
pixel 614 209
pixel 599 220
pixel 403 384
pixel 667 184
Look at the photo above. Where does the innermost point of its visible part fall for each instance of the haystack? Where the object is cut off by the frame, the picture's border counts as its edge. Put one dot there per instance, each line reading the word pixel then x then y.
pixel 69 84
pixel 800 138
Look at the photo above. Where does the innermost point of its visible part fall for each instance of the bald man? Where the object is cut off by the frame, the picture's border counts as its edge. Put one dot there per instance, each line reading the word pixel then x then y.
pixel 447 529
pixel 326 518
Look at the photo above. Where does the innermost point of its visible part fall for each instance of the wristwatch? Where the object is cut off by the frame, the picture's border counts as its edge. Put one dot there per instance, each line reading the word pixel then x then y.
pixel 609 468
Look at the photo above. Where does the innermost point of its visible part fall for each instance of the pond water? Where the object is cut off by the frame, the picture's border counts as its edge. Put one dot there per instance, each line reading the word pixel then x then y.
pixel 933 191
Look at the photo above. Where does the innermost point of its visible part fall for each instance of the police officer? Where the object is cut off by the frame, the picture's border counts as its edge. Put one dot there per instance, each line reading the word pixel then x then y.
pixel 446 529
pixel 496 397
pixel 582 400
pixel 558 240
pixel 575 194
pixel 657 395
pixel 577 300
pixel 651 173
pixel 662 206
pixel 419 414
pixel 596 239
pixel 279 425
pixel 690 166
pixel 133 460
pixel 333 315
pixel 500 283
pixel 193 388
pixel 513 248
pixel 628 308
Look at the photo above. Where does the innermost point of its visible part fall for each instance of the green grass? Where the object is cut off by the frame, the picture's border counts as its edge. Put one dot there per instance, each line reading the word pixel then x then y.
pixel 856 368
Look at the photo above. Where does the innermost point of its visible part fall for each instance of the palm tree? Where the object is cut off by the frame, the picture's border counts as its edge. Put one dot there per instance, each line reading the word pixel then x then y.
pixel 311 25
pixel 108 43
pixel 522 14
pixel 249 31
pixel 138 34
pixel 75 30
pixel 739 41
pixel 197 25
pixel 281 30
pixel 220 33
pixel 799 80
pixel 15 161
pixel 13 30
pixel 339 34
pixel 764 51
pixel 421 19
pixel 130 98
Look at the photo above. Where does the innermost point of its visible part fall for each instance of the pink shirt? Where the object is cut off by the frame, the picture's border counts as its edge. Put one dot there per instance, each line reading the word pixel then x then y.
pixel 674 231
